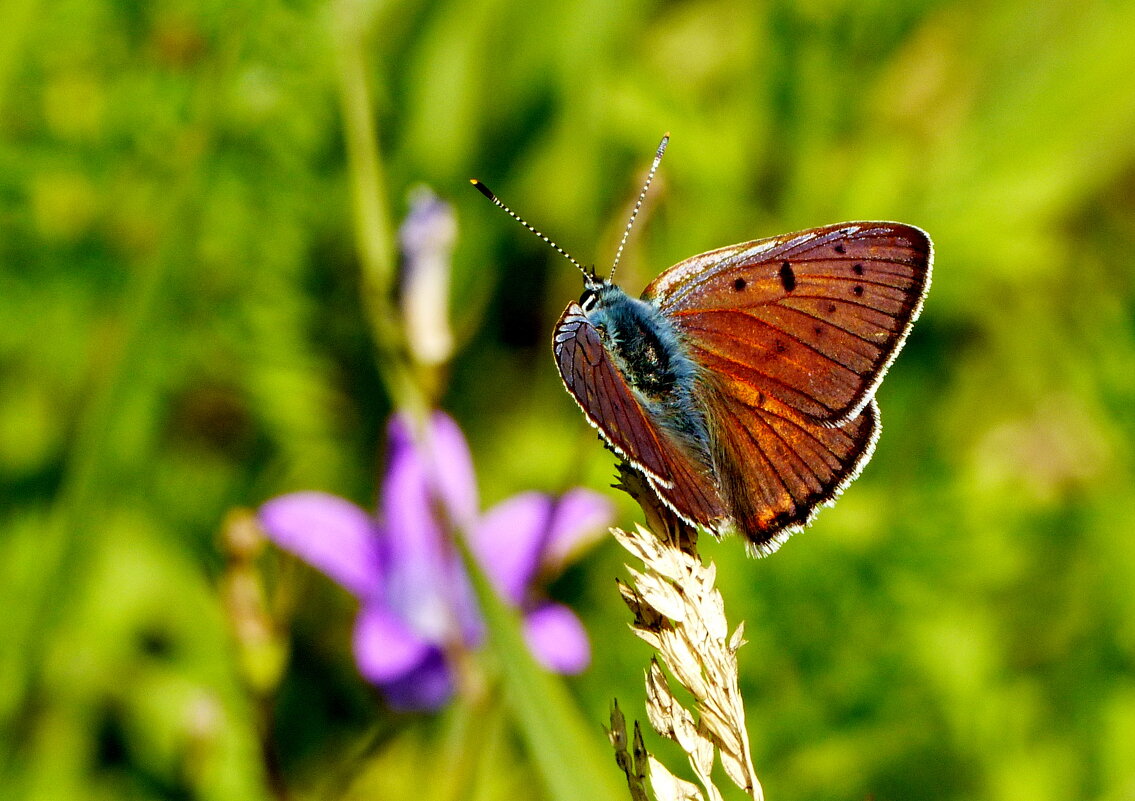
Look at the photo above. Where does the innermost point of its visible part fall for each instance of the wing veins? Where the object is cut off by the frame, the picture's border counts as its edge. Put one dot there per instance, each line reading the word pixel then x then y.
pixel 787 334
pixel 853 279
pixel 766 304
pixel 797 461
pixel 819 443
pixel 604 393
pixel 771 380
pixel 796 310
pixel 862 260
pixel 825 321
pixel 613 409
pixel 769 468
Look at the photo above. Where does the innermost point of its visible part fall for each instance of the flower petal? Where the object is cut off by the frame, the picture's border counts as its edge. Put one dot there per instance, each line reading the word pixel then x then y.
pixel 427 687
pixel 557 638
pixel 425 582
pixel 385 648
pixel 581 518
pixel 509 539
pixel 329 533
pixel 443 454
pixel 452 467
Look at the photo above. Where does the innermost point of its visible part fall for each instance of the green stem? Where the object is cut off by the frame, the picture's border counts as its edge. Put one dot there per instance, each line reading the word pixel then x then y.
pixel 561 743
pixel 371 213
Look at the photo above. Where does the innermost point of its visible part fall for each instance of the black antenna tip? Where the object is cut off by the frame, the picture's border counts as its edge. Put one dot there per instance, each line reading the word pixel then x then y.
pixel 484 190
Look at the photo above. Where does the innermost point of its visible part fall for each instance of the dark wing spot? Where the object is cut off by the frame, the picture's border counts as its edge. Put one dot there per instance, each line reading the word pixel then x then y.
pixel 831 308
pixel 818 330
pixel 857 291
pixel 740 284
pixel 787 277
pixel 857 269
pixel 784 519
pixel 840 249
pixel 780 346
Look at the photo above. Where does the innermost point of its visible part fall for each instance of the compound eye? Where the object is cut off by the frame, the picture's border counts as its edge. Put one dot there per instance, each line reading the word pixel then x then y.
pixel 587 299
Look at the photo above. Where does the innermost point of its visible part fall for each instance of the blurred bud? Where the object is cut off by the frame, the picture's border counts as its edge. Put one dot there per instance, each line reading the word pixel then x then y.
pixel 426 239
pixel 261 651
pixel 241 537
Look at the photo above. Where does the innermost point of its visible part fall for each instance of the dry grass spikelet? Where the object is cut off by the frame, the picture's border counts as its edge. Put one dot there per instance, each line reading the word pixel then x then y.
pixel 680 613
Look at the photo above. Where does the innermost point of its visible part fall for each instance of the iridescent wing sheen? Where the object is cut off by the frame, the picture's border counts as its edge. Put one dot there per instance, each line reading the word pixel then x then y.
pixel 811 320
pixel 610 405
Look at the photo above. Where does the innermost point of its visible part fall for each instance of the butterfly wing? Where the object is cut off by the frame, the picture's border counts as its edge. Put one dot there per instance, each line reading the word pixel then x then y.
pixel 609 403
pixel 793 335
pixel 776 467
pixel 811 319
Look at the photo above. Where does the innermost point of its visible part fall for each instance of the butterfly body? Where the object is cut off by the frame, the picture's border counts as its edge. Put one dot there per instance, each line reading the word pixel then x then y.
pixel 741 384
pixel 647 351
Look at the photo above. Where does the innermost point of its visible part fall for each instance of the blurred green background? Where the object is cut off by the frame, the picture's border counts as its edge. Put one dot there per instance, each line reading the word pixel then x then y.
pixel 182 332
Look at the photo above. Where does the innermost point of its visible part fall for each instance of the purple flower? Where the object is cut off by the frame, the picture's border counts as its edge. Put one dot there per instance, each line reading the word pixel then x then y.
pixel 416 603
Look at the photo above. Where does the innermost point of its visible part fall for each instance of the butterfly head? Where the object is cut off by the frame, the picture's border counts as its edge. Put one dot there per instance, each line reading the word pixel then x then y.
pixel 592 290
pixel 601 293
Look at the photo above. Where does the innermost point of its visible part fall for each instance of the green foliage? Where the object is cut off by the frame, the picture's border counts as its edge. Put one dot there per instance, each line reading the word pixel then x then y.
pixel 184 331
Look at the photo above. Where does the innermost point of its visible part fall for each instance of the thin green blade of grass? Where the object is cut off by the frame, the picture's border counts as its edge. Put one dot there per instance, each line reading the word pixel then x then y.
pixel 565 749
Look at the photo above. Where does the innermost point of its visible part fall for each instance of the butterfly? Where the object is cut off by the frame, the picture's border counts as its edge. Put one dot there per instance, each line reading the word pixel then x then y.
pixel 741 384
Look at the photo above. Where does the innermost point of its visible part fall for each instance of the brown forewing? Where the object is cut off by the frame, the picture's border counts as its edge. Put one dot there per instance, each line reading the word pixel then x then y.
pixel 811 319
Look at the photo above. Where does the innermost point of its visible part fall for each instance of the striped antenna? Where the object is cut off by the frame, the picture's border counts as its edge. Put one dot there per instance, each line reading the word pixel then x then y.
pixel 638 203
pixel 588 275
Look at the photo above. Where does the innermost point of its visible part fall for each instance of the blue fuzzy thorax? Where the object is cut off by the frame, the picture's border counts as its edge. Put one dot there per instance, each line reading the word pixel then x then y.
pixel 649 353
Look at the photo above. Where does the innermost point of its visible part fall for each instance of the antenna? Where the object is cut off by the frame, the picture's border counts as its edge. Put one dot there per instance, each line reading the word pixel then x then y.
pixel 638 203
pixel 588 275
